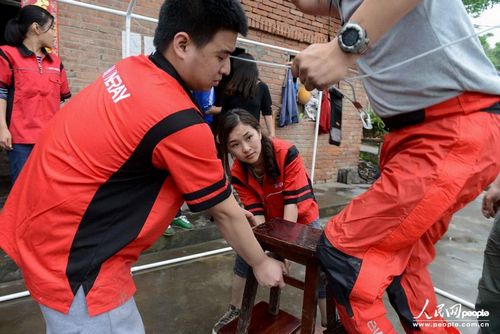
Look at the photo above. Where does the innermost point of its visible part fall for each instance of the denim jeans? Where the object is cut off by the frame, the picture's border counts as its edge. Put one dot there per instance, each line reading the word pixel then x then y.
pixel 17 158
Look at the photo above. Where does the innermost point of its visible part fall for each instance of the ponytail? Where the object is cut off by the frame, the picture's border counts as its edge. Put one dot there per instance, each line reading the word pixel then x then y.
pixel 13 34
pixel 16 29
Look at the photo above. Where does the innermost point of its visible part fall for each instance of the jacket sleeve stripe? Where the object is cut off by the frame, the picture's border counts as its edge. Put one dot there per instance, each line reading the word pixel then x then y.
pixel 299 199
pixel 210 202
pixel 254 206
pixel 205 191
pixel 296 192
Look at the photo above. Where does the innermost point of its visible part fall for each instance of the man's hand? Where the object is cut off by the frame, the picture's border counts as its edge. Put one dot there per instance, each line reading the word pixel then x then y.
pixel 321 65
pixel 270 272
pixel 491 200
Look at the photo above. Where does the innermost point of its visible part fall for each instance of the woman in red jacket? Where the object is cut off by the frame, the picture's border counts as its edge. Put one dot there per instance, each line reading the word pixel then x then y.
pixel 271 181
pixel 32 83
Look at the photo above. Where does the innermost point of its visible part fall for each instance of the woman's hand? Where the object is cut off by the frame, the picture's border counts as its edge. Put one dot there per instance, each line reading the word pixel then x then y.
pixel 5 139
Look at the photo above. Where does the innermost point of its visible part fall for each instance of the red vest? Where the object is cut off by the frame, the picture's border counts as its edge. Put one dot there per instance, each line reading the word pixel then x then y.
pixel 35 91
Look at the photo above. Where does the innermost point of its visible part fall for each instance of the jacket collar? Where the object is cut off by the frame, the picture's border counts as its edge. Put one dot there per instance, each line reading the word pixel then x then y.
pixel 28 53
pixel 159 60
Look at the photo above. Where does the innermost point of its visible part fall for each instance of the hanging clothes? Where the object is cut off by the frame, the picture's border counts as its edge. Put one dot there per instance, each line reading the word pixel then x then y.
pixel 288 114
pixel 326 111
pixel 335 116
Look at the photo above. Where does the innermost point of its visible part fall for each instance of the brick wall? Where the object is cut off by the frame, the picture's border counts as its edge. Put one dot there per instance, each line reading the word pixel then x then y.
pixel 90 42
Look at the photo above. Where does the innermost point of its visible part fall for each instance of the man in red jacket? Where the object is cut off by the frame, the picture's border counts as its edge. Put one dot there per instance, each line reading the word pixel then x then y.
pixel 113 168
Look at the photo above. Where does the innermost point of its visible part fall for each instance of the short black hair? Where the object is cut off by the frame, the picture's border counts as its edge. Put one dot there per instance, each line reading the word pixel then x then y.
pixel 201 19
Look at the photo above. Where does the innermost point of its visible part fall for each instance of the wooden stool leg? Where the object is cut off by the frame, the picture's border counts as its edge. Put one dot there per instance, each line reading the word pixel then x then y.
pixel 274 300
pixel 310 298
pixel 275 293
pixel 247 304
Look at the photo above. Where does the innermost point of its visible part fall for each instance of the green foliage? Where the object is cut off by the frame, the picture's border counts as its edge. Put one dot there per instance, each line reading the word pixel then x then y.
pixel 378 130
pixel 492 53
pixel 369 157
pixel 476 7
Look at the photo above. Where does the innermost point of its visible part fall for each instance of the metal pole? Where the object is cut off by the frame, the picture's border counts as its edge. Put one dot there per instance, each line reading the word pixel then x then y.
pixel 128 23
pixel 316 135
pixel 107 10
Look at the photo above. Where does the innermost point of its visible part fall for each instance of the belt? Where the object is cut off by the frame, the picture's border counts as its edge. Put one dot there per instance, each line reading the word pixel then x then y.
pixel 418 116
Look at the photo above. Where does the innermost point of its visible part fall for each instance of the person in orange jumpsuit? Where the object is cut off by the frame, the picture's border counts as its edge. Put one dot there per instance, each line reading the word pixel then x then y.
pixel 442 111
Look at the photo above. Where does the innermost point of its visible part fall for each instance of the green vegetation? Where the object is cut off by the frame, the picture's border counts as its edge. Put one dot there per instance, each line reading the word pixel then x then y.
pixel 476 7
pixel 492 53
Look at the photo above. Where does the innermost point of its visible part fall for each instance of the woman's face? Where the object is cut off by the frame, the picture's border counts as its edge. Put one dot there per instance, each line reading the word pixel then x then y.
pixel 47 34
pixel 244 144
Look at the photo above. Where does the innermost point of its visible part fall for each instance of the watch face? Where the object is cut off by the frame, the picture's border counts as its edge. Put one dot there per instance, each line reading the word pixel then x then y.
pixel 350 37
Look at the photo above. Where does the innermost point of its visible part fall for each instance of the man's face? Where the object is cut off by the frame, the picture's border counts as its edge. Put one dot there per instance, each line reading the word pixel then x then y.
pixel 205 66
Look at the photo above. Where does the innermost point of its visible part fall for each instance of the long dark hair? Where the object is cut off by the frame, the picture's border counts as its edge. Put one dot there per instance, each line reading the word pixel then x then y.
pixel 244 77
pixel 232 119
pixel 17 28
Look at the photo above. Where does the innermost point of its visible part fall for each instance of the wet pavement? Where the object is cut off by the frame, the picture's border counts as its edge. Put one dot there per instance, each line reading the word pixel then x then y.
pixel 188 297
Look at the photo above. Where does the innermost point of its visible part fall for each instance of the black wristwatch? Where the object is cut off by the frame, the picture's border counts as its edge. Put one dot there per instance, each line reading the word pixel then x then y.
pixel 353 38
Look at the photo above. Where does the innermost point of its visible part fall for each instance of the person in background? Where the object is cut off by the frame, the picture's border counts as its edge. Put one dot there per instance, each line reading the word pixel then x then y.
pixel 32 83
pixel 206 102
pixel 271 181
pixel 488 299
pixel 112 169
pixel 443 113
pixel 181 221
pixel 245 90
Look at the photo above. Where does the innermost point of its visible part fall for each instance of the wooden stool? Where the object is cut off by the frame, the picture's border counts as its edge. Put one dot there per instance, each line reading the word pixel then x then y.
pixel 295 242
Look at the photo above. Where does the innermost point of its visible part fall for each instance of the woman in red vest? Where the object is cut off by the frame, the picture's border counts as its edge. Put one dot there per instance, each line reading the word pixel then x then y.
pixel 32 83
pixel 271 181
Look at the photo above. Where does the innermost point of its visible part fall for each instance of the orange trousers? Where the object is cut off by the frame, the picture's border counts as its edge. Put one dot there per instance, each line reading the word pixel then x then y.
pixel 383 241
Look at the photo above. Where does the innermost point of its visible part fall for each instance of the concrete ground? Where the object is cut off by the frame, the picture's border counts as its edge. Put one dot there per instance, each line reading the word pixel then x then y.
pixel 187 298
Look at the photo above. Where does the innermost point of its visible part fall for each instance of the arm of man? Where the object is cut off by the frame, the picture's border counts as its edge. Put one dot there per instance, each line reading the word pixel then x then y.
pixel 491 201
pixel 231 221
pixel 316 7
pixel 199 176
pixel 321 65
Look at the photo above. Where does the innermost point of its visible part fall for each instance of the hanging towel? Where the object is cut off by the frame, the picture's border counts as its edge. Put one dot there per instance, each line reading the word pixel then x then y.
pixel 288 114
pixel 326 111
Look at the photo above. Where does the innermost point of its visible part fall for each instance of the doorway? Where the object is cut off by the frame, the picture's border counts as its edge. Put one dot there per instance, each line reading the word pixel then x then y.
pixel 9 9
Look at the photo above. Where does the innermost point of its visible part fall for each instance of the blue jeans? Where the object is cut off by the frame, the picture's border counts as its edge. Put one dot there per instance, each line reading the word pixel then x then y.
pixel 17 158
pixel 241 267
pixel 122 319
